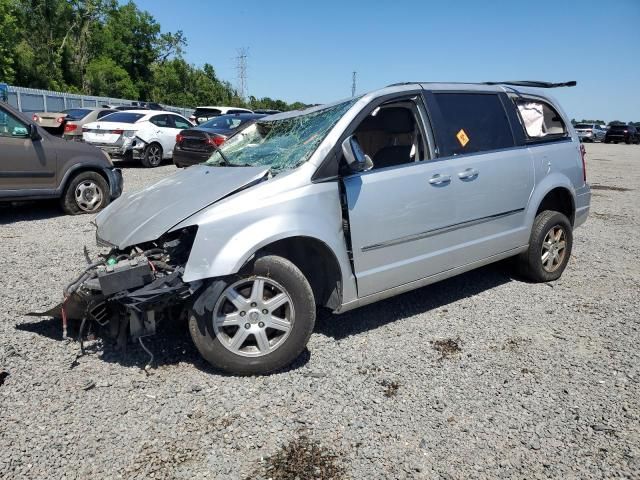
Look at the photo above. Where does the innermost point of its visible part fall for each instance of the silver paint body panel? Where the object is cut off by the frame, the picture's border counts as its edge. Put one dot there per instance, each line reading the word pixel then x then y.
pixel 404 232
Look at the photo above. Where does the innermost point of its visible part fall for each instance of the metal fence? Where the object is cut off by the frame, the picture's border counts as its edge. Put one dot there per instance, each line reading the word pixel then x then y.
pixel 35 100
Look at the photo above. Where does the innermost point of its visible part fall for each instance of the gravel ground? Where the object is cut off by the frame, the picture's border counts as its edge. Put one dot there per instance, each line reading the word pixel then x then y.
pixel 480 376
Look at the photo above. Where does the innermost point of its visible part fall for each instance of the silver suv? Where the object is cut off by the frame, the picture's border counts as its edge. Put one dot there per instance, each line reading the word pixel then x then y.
pixel 338 206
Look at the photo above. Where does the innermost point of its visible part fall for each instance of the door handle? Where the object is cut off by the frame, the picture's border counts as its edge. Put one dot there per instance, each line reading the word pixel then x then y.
pixel 468 174
pixel 438 179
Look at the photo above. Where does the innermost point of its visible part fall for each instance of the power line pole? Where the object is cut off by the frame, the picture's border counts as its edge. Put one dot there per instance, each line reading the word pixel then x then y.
pixel 353 84
pixel 241 67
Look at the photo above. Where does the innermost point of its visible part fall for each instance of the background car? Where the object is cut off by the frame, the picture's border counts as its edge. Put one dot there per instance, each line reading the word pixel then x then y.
pixel 267 111
pixel 78 117
pixel 53 122
pixel 202 114
pixel 38 165
pixel 145 135
pixel 196 145
pixel 622 133
pixel 590 132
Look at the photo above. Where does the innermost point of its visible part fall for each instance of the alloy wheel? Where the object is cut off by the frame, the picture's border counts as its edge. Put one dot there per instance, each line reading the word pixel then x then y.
pixel 553 249
pixel 253 316
pixel 88 196
pixel 154 156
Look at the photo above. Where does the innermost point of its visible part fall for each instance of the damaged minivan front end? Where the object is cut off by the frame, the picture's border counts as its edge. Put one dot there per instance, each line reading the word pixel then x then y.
pixel 124 292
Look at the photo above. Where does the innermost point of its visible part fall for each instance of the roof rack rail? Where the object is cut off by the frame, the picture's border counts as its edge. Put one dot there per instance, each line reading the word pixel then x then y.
pixel 534 83
pixel 515 83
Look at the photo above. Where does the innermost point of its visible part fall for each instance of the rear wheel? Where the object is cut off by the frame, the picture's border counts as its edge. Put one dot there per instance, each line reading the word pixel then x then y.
pixel 152 155
pixel 257 322
pixel 87 192
pixel 549 247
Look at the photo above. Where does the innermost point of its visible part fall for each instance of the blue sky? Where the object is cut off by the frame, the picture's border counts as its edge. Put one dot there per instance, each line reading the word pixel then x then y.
pixel 307 50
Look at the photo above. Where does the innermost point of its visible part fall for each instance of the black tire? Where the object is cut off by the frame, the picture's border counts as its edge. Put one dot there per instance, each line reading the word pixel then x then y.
pixel 92 198
pixel 221 357
pixel 530 262
pixel 607 141
pixel 152 155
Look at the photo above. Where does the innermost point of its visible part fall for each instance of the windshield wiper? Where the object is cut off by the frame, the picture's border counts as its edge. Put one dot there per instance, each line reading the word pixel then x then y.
pixel 225 160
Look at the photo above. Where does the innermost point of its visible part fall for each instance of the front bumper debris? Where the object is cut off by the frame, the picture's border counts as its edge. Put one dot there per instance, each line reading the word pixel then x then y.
pixel 125 294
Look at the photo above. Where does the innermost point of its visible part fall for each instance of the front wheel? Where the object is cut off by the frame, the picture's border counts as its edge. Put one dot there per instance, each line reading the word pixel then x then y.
pixel 257 322
pixel 549 247
pixel 87 192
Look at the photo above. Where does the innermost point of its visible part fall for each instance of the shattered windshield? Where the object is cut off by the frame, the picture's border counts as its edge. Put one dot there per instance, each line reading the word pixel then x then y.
pixel 282 143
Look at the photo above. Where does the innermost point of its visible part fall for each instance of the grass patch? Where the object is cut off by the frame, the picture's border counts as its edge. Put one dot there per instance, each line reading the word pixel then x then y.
pixel 302 458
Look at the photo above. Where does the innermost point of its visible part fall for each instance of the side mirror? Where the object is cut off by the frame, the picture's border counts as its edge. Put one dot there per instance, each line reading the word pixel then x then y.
pixel 33 132
pixel 356 159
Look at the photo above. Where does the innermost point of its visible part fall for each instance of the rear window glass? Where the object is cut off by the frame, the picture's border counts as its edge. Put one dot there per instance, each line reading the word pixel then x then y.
pixel 76 113
pixel 540 120
pixel 472 123
pixel 206 111
pixel 124 117
pixel 583 126
pixel 227 122
pixel 619 127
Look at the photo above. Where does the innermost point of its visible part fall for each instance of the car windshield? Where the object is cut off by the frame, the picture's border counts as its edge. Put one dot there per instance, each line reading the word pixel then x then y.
pixel 583 126
pixel 282 143
pixel 123 117
pixel 76 113
pixel 225 121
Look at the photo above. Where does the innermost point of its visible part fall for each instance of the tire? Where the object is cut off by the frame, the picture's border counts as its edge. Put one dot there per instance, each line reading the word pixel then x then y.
pixel 152 155
pixel 531 262
pixel 607 141
pixel 87 192
pixel 231 336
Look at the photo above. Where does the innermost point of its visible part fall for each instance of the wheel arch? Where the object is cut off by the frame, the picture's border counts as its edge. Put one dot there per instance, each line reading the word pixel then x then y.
pixel 317 262
pixel 559 199
pixel 79 168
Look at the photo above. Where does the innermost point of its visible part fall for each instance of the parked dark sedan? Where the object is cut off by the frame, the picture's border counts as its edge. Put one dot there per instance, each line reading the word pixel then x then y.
pixel 196 145
pixel 622 133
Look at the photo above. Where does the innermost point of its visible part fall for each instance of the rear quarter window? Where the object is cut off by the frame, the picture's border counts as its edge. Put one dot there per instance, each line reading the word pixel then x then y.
pixel 472 122
pixel 540 121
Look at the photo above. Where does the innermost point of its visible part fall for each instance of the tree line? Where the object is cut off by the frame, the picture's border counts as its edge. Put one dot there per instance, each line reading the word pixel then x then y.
pixel 102 47
pixel 602 122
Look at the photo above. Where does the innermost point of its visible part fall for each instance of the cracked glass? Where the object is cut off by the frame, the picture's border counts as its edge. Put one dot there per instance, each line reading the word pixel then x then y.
pixel 282 143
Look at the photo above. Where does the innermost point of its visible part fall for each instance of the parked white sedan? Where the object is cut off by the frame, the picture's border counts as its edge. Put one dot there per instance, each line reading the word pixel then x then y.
pixel 145 135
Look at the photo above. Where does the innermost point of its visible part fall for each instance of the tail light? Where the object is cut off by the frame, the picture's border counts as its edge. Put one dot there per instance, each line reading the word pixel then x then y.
pixel 71 127
pixel 117 131
pixel 35 118
pixel 60 119
pixel 215 140
pixel 583 154
pixel 179 138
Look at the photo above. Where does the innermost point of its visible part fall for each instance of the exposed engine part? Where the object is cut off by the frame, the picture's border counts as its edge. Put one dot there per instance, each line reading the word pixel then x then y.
pixel 125 293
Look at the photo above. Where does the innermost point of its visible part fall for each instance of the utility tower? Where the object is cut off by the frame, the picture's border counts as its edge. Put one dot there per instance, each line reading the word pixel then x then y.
pixel 353 84
pixel 241 67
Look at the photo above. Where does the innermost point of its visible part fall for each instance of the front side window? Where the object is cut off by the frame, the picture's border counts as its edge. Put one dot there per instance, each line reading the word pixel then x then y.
pixel 472 122
pixel 180 122
pixel 281 144
pixel 10 126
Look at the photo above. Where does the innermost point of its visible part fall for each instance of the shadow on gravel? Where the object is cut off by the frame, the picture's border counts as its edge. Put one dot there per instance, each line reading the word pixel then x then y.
pixel 172 345
pixel 27 211
pixel 417 301
pixel 137 164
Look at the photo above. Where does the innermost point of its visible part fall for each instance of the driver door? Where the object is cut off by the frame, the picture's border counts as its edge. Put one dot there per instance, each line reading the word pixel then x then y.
pixel 25 164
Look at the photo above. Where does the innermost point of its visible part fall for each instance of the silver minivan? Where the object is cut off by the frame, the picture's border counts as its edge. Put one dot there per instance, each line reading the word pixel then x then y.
pixel 336 207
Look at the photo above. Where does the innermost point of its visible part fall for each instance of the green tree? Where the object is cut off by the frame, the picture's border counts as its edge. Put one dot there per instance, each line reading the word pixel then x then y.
pixel 8 38
pixel 105 77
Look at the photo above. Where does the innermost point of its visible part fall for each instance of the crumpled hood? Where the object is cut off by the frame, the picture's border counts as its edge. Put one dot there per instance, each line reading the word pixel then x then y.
pixel 145 215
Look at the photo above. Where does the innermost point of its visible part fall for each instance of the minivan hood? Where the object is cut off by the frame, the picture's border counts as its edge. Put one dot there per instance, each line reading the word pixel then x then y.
pixel 145 215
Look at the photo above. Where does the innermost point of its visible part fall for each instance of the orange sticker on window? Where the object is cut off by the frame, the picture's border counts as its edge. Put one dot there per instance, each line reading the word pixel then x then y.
pixel 462 137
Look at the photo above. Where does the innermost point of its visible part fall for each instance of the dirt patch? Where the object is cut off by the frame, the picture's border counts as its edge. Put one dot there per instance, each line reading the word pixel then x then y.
pixel 302 458
pixel 447 347
pixel 610 188
pixel 390 388
pixel 515 343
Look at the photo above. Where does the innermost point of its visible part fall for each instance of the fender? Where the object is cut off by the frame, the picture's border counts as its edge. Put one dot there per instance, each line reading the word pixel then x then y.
pixel 225 242
pixel 550 182
pixel 83 165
